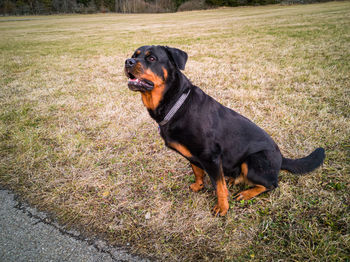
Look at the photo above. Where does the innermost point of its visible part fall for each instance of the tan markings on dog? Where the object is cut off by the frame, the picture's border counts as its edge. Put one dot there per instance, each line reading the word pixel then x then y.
pixel 222 193
pixel 231 181
pixel 244 169
pixel 250 193
pixel 138 52
pixel 242 178
pixel 147 53
pixel 181 149
pixel 152 98
pixel 198 174
pixel 165 73
pixel 138 69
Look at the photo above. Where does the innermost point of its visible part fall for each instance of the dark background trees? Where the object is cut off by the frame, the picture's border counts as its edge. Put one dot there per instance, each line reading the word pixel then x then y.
pixel 34 7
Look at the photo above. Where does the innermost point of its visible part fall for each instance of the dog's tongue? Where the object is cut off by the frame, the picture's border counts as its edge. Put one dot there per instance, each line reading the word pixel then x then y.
pixel 134 80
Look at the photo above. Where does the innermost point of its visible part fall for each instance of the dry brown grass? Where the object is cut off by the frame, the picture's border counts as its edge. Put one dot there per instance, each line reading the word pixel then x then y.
pixel 75 141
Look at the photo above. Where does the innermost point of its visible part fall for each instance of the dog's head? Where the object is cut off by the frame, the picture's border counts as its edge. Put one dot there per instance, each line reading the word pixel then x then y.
pixel 150 66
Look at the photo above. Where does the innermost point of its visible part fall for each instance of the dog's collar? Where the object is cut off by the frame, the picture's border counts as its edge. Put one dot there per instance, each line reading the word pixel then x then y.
pixel 175 108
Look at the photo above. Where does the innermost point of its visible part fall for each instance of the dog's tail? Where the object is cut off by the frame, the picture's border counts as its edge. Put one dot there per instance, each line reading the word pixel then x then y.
pixel 305 164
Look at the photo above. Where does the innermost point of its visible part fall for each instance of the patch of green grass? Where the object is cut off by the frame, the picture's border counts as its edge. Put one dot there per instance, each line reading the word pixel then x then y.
pixel 76 142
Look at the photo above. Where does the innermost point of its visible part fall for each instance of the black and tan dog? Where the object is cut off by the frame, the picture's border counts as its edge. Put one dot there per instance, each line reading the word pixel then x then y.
pixel 214 138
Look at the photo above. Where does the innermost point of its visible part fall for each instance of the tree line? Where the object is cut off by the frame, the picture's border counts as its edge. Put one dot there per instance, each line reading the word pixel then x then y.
pixel 35 7
pixel 259 2
pixel 24 7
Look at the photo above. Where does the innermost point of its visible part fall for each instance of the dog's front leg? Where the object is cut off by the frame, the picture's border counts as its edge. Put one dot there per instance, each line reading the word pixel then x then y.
pixel 198 174
pixel 217 178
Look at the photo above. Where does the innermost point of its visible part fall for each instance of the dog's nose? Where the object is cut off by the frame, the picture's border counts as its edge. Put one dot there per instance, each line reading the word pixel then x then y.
pixel 130 62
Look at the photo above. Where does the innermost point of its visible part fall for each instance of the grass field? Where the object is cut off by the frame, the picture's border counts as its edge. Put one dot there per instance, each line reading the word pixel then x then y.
pixel 76 142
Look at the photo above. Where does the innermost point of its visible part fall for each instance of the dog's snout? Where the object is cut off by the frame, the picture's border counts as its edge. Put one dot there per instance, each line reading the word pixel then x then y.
pixel 130 62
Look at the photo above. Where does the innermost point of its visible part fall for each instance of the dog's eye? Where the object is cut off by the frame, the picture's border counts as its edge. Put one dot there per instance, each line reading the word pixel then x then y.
pixel 151 58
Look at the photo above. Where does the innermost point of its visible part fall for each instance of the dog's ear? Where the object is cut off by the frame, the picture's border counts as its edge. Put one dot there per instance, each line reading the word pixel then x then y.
pixel 178 56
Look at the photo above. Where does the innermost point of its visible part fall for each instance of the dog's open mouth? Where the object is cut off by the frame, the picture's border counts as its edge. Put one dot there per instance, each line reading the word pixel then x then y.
pixel 137 84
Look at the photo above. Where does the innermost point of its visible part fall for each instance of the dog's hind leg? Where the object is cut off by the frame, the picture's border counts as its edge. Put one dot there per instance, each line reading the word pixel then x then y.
pixel 262 170
pixel 242 170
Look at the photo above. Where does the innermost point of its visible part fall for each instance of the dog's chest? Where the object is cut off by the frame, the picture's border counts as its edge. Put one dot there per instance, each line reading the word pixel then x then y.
pixel 172 142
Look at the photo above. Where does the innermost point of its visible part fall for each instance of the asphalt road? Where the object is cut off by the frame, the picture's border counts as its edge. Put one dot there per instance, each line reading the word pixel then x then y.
pixel 29 235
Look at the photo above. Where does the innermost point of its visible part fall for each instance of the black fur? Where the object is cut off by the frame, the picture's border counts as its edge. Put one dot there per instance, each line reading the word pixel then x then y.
pixel 178 56
pixel 305 164
pixel 217 137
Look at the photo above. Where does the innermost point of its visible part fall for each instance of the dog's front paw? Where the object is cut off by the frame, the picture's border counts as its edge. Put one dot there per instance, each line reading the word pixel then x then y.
pixel 220 209
pixel 196 187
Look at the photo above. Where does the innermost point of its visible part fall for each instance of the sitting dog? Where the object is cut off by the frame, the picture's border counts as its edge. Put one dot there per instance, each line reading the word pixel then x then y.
pixel 215 139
